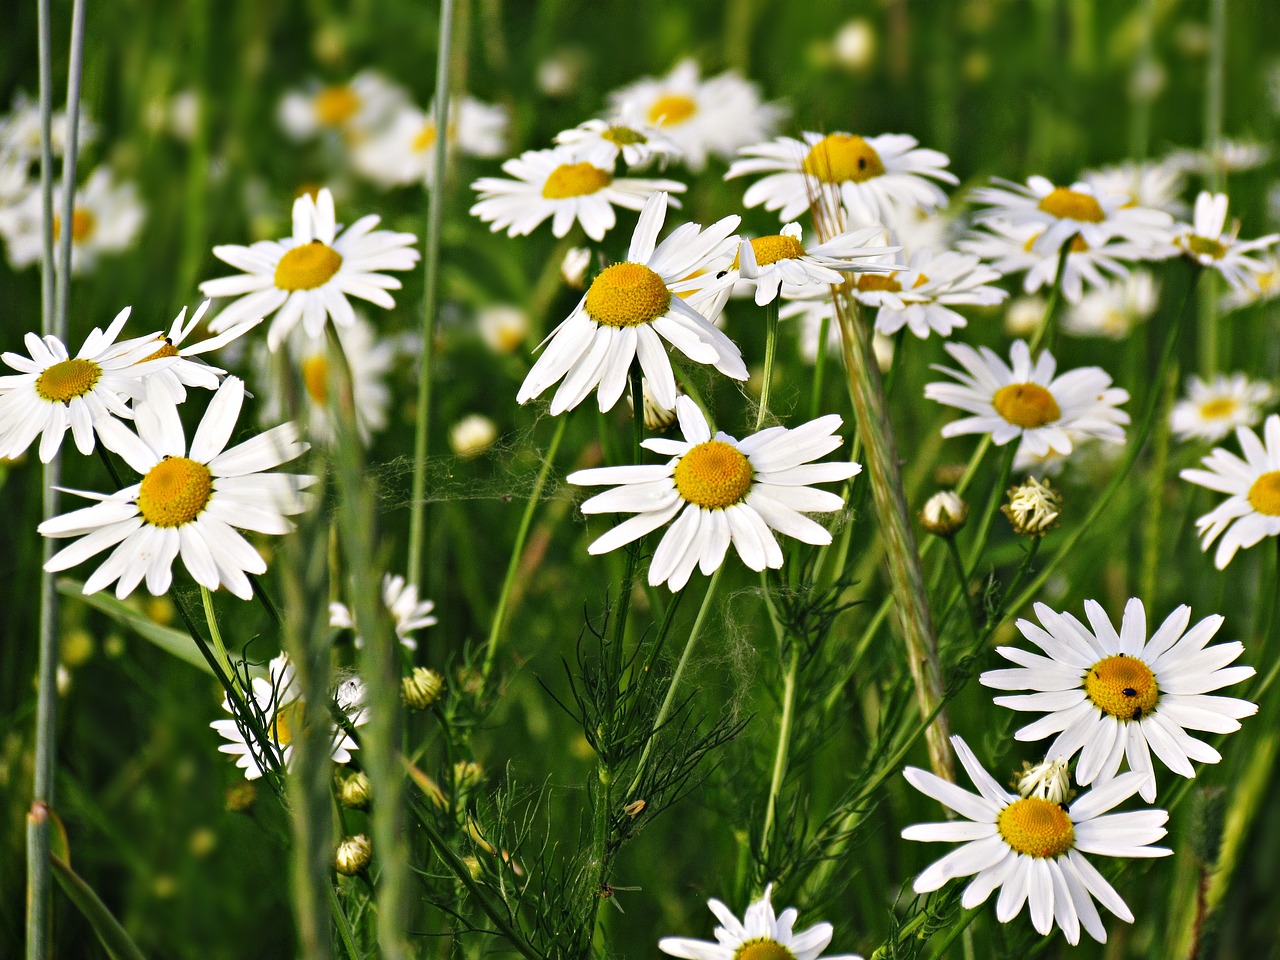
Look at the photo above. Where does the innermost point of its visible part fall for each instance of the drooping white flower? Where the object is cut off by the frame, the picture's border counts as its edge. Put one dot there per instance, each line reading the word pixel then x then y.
pixel 1208 242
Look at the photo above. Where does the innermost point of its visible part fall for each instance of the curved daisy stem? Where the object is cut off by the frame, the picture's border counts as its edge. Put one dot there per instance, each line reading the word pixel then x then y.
pixel 211 618
pixel 770 351
pixel 962 582
pixel 1049 325
pixel 1148 581
pixel 780 754
pixel 989 514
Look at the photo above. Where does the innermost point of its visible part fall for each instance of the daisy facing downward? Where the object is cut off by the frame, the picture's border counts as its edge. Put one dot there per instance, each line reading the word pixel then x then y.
pixel 719 491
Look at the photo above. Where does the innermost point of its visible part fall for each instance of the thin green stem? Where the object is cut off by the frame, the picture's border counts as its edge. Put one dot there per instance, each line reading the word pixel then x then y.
pixel 962 582
pixel 770 352
pixel 211 618
pixel 345 933
pixel 1049 325
pixel 819 368
pixel 989 513
pixel 74 73
pixel 1154 517
pixel 780 753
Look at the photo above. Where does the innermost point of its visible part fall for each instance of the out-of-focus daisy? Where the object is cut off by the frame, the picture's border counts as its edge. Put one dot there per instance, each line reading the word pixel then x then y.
pixel 712 117
pixel 107 218
pixel 1011 248
pixel 869 175
pixel 1114 310
pixel 53 391
pixel 1156 185
pixel 1025 399
pixel 403 150
pixel 278 703
pixel 187 501
pixel 309 275
pixel 20 130
pixel 352 109
pixel 408 613
pixel 719 490
pixel 1230 156
pixel 573 268
pixel 811 314
pixel 601 142
pixel 759 935
pixel 1079 210
pixel 1252 508
pixel 783 259
pixel 552 183
pixel 472 435
pixel 1213 409
pixel 920 297
pixel 503 327
pixel 172 381
pixel 631 307
pixel 1268 285
pixel 1117 696
pixel 1208 242
pixel 1032 848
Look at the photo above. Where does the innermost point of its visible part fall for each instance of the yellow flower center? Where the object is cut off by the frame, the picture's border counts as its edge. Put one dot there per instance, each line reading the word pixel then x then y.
pixel 842 157
pixel 1077 244
pixel 713 475
pixel 315 376
pixel 63 382
pixel 287 723
pixel 1072 205
pixel 1026 405
pixel 1205 247
pixel 82 224
pixel 575 180
pixel 772 249
pixel 1264 495
pixel 762 948
pixel 426 138
pixel 920 281
pixel 174 492
pixel 336 105
pixel 627 295
pixel 307 267
pixel 167 349
pixel 624 136
pixel 1122 686
pixel 1218 408
pixel 1036 827
pixel 672 109
pixel 878 283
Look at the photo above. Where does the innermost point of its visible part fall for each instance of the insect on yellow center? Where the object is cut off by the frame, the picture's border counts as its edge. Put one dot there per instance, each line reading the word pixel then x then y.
pixel 672 109
pixel 772 249
pixel 82 224
pixel 843 157
pixel 174 492
pixel 624 136
pixel 1036 827
pixel 878 283
pixel 1264 495
pixel 762 948
pixel 627 295
pixel 1205 247
pixel 315 377
pixel 1122 686
pixel 307 267
pixel 287 723
pixel 167 349
pixel 336 105
pixel 1026 405
pixel 575 180
pixel 713 475
pixel 1072 205
pixel 63 382
pixel 1218 408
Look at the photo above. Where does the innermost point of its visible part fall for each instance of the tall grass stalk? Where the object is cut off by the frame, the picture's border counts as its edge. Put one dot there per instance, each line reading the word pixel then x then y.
pixel 1213 103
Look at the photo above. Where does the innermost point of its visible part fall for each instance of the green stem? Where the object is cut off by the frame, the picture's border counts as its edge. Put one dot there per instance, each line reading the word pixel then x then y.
pixel 819 368
pixel 780 754
pixel 989 514
pixel 345 933
pixel 1153 521
pixel 962 581
pixel 1049 326
pixel 770 351
pixel 956 930
pixel 211 618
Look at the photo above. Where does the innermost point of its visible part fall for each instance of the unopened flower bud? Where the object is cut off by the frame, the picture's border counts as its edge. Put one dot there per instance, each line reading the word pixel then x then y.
pixel 573 269
pixel 1034 508
pixel 353 855
pixel 634 808
pixel 354 792
pixel 421 688
pixel 944 514
pixel 473 867
pixel 1047 780
pixel 472 435
pixel 467 774
pixel 657 418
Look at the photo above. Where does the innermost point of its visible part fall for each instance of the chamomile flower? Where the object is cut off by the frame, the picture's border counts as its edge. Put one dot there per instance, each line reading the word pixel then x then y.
pixel 1213 409
pixel 403 150
pixel 353 109
pixel 1268 285
pixel 1208 242
pixel 408 613
pixel 1156 185
pixel 187 502
pixel 712 117
pixel 1229 156
pixel 759 935
pixel 1011 248
pixel 631 307
pixel 553 183
pixel 812 315
pixel 920 297
pixel 172 382
pixel 54 391
pixel 1032 848
pixel 1025 400
pixel 601 142
pixel 308 276
pixel 719 491
pixel 1119 696
pixel 869 175
pixel 278 703
pixel 1112 311
pixel 20 130
pixel 1252 508
pixel 783 259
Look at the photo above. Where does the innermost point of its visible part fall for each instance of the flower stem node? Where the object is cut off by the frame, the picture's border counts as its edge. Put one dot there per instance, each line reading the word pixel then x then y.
pixel 422 688
pixel 353 855
pixel 944 514
pixel 1034 508
pixel 354 792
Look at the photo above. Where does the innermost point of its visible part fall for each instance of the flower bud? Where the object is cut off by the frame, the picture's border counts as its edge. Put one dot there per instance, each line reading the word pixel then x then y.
pixel 573 269
pixel 944 514
pixel 472 435
pixel 353 855
pixel 467 774
pixel 1034 508
pixel 354 792
pixel 1047 780
pixel 421 688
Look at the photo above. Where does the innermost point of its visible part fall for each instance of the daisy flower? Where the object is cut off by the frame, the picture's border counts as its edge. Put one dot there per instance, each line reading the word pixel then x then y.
pixel 783 258
pixel 1252 508
pixel 187 502
pixel 1229 156
pixel 278 702
pixel 408 613
pixel 308 276
pixel 20 130
pixel 1213 409
pixel 352 109
pixel 172 381
pixel 1112 311
pixel 920 298
pixel 403 151
pixel 631 307
pixel 1032 848
pixel 1156 185
pixel 1011 248
pixel 760 935
pixel 719 490
pixel 601 142
pixel 870 175
pixel 1208 242
pixel 53 391
pixel 1026 400
pixel 1119 696
pixel 712 117
pixel 811 314
pixel 1268 285
pixel 553 183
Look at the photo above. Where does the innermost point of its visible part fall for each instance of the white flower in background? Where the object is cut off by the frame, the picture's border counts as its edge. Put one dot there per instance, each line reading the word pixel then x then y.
pixel 278 704
pixel 782 259
pixel 1208 242
pixel 472 435
pixel 1215 408
pixel 1026 400
pixel 868 175
pixel 573 269
pixel 1119 696
pixel 920 297
pixel 559 74
pixel 1114 310
pixel 759 935
pixel 307 277
pixel 20 131
pixel 601 142
pixel 503 327
pixel 107 218
pixel 1011 248
pixel 1230 156
pixel 631 307
pixel 172 381
pixel 1024 316
pixel 53 391
pixel 551 183
pixel 400 597
pixel 712 117
pixel 854 45
pixel 402 151
pixel 1252 508
pixel 718 491
pixel 1156 185
pixel 812 314
pixel 1031 848
pixel 1268 285
pixel 353 109
pixel 187 503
